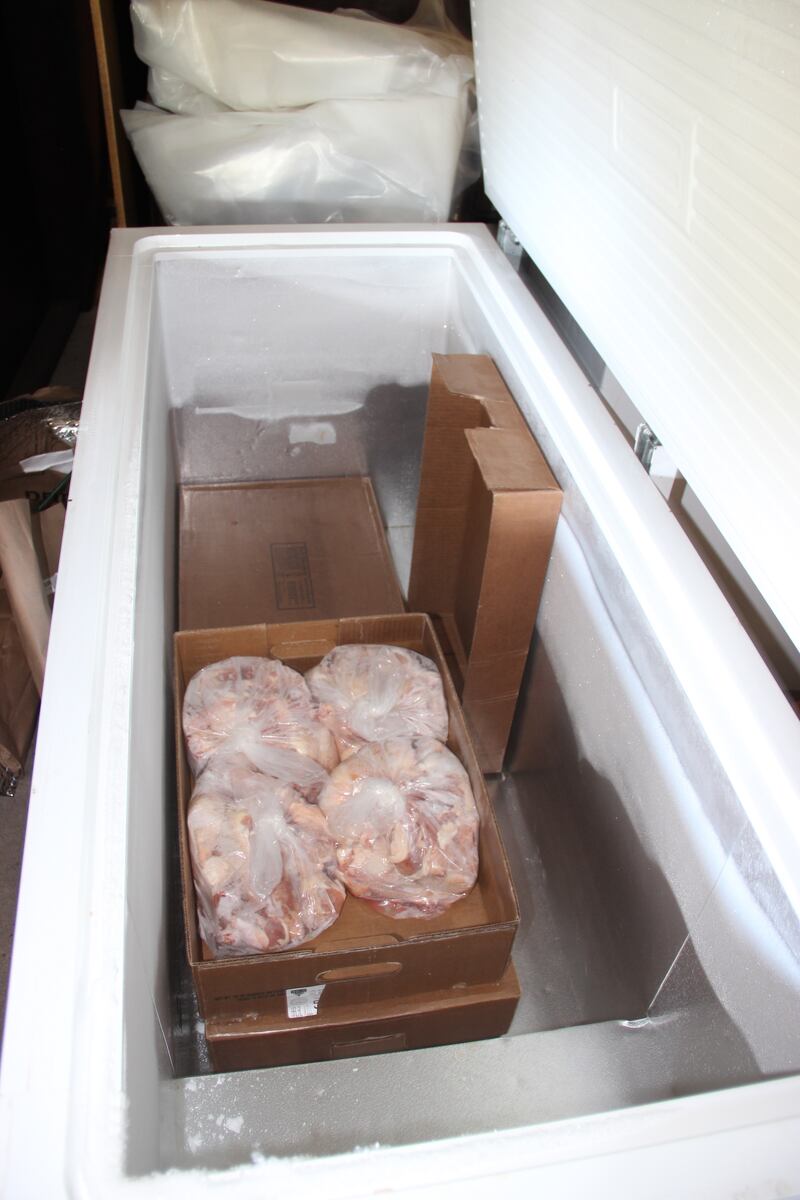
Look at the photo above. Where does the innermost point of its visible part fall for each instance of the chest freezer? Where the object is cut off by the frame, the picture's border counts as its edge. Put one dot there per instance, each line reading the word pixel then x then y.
pixel 650 796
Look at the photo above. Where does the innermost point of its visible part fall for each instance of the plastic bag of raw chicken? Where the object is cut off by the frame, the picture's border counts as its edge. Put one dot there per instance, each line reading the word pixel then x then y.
pixel 257 706
pixel 371 693
pixel 405 823
pixel 263 861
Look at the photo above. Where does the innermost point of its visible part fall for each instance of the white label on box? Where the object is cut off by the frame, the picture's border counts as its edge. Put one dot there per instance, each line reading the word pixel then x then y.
pixel 303 1002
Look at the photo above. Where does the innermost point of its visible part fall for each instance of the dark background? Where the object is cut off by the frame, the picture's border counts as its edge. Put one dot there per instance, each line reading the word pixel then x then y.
pixel 59 203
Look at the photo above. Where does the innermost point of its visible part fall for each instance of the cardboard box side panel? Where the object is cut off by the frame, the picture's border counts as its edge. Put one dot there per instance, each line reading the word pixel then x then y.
pixel 506 987
pixel 494 873
pixel 200 648
pixel 34 487
pixel 490 722
pixel 184 785
pixel 19 699
pixel 446 472
pixel 517 554
pixel 473 375
pixel 497 676
pixel 242 987
pixel 456 1015
pixel 470 578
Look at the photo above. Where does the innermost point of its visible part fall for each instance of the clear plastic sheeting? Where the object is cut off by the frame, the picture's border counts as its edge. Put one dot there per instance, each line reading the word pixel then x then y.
pixel 273 115
pixel 405 823
pixel 370 693
pixel 263 861
pixel 392 159
pixel 252 55
pixel 175 95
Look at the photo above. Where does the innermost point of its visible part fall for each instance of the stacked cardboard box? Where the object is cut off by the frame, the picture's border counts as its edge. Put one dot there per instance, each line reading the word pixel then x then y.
pixel 290 570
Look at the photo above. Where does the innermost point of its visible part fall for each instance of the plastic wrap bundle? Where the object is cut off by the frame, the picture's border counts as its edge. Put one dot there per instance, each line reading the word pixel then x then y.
pixel 263 861
pixel 254 705
pixel 372 693
pixel 254 56
pixel 405 824
pixel 279 115
pixel 339 160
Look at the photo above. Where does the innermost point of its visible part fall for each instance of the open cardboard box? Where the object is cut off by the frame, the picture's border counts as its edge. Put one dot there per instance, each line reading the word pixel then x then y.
pixel 364 956
pixel 458 1014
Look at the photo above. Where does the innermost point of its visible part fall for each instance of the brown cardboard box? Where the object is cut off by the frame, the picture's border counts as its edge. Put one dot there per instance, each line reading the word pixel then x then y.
pixel 292 550
pixel 433 1019
pixel 486 517
pixel 364 956
pixel 19 699
pixel 19 696
pixel 40 423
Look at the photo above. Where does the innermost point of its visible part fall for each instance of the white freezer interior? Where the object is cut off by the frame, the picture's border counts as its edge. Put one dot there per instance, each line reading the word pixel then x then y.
pixel 653 851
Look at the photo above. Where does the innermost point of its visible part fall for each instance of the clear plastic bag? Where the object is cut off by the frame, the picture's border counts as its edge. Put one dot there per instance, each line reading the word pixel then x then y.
pixel 372 693
pixel 277 115
pixel 254 706
pixel 255 56
pixel 405 823
pixel 263 861
pixel 392 159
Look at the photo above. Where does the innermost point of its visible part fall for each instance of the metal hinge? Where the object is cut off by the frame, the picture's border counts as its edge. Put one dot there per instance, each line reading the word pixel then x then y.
pixel 510 244
pixel 8 781
pixel 644 445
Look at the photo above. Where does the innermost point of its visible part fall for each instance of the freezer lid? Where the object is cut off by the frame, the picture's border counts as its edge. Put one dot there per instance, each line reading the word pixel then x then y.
pixel 647 155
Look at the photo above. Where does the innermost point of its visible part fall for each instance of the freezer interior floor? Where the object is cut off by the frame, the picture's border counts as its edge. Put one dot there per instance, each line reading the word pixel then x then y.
pixel 657 954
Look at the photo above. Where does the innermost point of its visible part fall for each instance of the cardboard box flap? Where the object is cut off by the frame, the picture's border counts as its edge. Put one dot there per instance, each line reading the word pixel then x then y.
pixel 281 551
pixel 486 515
pixel 510 461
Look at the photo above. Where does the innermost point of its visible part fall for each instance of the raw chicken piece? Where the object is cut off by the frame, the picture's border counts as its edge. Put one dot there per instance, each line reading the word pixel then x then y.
pixel 263 861
pixel 247 703
pixel 372 693
pixel 406 826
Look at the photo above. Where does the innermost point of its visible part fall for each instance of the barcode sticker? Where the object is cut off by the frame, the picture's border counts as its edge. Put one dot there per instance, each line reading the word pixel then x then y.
pixel 303 1002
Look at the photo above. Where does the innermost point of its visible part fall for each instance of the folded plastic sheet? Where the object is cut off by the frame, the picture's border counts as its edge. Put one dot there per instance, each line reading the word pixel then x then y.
pixel 391 159
pixel 253 55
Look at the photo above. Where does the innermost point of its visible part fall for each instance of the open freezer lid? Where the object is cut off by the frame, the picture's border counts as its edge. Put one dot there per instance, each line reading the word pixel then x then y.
pixel 647 155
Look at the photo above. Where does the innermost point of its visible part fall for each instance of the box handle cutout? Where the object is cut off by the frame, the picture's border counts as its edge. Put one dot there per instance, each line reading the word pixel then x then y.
pixel 367 971
pixel 373 1045
pixel 316 649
